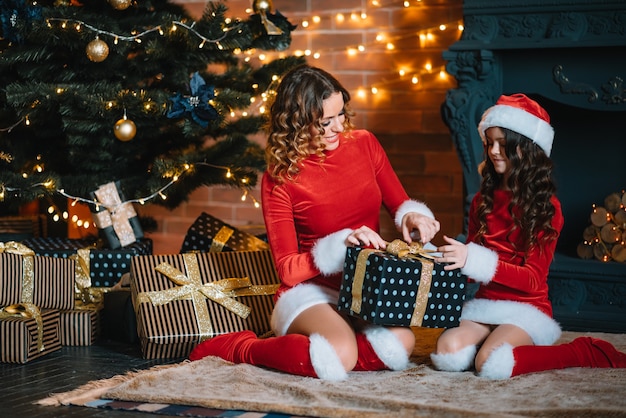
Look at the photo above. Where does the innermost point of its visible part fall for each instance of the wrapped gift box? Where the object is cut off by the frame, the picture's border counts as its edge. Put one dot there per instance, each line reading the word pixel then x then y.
pixel 47 282
pixel 209 234
pixel 386 289
pixel 106 266
pixel 24 338
pixel 18 228
pixel 80 326
pixel 114 216
pixel 181 300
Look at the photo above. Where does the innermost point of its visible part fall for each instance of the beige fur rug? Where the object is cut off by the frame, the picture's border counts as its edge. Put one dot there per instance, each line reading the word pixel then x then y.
pixel 419 391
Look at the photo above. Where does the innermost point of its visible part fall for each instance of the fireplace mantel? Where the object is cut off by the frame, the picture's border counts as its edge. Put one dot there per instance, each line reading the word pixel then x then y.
pixel 571 57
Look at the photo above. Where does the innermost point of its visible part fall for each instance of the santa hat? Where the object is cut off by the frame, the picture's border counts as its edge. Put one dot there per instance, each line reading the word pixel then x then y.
pixel 523 115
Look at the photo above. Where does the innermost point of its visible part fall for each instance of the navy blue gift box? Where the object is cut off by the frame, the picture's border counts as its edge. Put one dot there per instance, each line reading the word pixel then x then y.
pixel 106 266
pixel 385 289
pixel 210 234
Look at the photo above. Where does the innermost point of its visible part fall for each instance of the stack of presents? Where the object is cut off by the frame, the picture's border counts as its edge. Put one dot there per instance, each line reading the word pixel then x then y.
pixel 57 292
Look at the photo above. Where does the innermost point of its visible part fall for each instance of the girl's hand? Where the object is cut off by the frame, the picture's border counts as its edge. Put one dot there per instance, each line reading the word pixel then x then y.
pixel 367 237
pixel 425 226
pixel 455 253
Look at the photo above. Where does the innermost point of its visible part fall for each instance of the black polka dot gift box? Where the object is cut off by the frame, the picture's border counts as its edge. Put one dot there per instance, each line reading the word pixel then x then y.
pixel 209 234
pixel 409 290
pixel 104 265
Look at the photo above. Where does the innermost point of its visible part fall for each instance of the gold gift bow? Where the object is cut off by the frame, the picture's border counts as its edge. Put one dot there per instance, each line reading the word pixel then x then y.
pixel 220 239
pixel 402 250
pixel 83 291
pixel 115 213
pixel 191 287
pixel 28 269
pixel 26 310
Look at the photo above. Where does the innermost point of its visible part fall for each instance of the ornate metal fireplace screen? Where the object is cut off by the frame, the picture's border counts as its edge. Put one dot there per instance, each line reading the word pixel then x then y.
pixel 571 57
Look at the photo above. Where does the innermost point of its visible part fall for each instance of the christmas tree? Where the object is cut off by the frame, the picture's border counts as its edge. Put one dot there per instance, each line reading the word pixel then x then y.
pixel 134 92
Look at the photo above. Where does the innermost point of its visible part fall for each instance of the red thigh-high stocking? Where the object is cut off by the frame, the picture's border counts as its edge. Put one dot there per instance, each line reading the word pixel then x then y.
pixel 293 353
pixel 506 361
pixel 380 349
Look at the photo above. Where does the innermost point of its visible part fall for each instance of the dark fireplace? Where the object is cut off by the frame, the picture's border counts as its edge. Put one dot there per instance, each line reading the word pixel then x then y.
pixel 570 56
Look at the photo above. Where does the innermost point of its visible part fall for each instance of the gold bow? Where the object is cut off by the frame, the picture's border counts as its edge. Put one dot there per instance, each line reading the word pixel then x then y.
pixel 28 269
pixel 400 249
pixel 82 279
pixel 26 310
pixel 190 286
pixel 115 214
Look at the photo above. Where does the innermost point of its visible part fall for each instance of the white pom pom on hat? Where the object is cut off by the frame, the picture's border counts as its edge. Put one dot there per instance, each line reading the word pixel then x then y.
pixel 523 115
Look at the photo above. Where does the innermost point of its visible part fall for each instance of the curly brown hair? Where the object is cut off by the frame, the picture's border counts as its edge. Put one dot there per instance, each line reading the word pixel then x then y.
pixel 530 180
pixel 297 107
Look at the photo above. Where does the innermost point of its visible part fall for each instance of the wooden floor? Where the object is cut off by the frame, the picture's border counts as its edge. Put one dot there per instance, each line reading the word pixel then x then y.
pixel 65 370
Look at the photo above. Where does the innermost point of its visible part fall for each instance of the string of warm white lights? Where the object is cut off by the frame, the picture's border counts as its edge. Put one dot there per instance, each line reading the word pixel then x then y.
pixel 78 25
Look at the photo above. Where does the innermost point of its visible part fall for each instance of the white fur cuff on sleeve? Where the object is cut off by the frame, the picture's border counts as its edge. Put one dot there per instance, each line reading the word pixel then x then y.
pixel 481 263
pixel 329 252
pixel 411 206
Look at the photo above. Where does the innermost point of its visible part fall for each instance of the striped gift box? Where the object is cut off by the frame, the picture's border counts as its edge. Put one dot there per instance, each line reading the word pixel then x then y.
pixel 47 282
pixel 175 315
pixel 80 327
pixel 19 337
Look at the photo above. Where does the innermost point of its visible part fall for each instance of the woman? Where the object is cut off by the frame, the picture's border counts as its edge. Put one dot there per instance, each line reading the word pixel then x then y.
pixel 514 224
pixel 322 192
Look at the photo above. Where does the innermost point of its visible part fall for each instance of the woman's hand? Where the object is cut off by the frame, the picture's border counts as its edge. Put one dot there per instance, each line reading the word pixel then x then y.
pixel 367 237
pixel 425 226
pixel 454 253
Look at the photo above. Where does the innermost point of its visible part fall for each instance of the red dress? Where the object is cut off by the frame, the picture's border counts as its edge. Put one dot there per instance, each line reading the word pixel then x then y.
pixel 514 289
pixel 344 190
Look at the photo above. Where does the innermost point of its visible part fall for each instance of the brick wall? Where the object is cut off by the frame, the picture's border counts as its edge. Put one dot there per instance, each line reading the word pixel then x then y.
pixel 405 116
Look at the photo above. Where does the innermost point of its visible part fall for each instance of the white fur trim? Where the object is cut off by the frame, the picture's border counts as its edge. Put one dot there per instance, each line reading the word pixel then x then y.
pixel 520 121
pixel 481 263
pixel 387 347
pixel 294 301
pixel 499 364
pixel 455 362
pixel 329 253
pixel 325 360
pixel 542 329
pixel 411 206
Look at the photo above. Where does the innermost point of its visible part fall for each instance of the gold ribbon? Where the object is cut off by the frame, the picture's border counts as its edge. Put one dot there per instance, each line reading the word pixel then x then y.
pixel 26 310
pixel 28 269
pixel 190 286
pixel 220 239
pixel 82 279
pixel 115 214
pixel 400 249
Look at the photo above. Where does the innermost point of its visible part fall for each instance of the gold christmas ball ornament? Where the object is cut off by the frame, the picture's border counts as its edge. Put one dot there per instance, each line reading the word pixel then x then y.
pixel 120 4
pixel 125 129
pixel 97 50
pixel 262 6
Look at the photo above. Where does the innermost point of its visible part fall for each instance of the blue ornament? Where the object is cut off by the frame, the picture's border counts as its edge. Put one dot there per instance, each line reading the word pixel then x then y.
pixel 14 13
pixel 197 105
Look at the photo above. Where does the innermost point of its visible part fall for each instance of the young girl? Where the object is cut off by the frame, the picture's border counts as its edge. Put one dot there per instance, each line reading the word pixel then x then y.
pixel 322 192
pixel 514 223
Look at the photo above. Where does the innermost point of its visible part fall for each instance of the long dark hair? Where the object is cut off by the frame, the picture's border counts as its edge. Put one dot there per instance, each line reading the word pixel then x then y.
pixel 530 180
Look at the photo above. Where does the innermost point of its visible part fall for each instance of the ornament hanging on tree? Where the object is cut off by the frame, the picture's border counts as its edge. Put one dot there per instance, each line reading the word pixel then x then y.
pixel 120 4
pixel 125 129
pixel 263 7
pixel 97 50
pixel 197 105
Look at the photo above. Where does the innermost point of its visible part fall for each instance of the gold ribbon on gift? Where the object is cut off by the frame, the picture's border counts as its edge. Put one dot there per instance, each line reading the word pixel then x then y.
pixel 220 239
pixel 190 286
pixel 28 269
pixel 403 250
pixel 115 214
pixel 26 310
pixel 82 279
